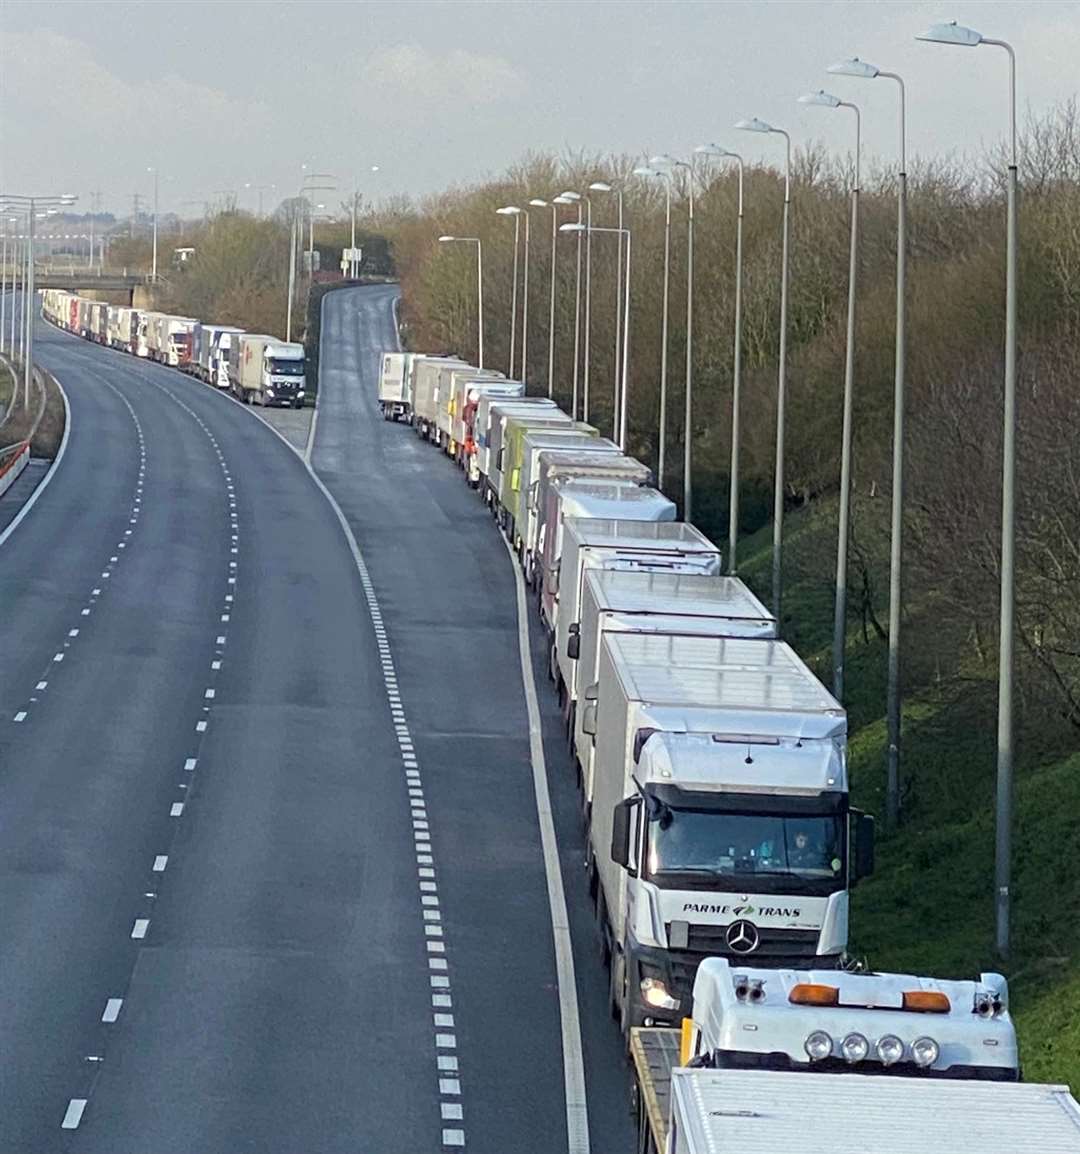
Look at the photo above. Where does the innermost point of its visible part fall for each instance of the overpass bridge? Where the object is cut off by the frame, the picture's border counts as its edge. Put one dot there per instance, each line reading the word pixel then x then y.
pixel 75 279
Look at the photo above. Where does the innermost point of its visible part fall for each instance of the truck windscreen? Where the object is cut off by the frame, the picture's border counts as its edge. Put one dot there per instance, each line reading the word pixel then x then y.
pixel 708 849
pixel 287 368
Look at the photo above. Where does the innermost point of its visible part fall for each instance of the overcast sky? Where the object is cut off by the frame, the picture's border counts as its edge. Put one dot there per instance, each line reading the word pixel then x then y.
pixel 222 94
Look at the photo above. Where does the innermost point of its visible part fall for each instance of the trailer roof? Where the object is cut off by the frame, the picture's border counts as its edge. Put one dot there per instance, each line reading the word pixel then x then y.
pixel 614 496
pixel 641 534
pixel 728 1110
pixel 719 672
pixel 683 594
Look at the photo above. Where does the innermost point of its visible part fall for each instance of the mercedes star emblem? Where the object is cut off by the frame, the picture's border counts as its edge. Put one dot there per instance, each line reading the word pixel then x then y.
pixel 742 937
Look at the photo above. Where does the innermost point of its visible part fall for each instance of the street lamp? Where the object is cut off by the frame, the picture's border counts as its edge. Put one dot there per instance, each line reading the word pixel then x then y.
pixel 595 186
pixel 823 99
pixel 479 288
pixel 736 381
pixel 575 198
pixel 655 174
pixel 515 212
pixel 153 274
pixel 968 37
pixel 555 202
pixel 672 163
pixel 755 125
pixel 603 186
pixel 579 228
pixel 863 70
pixel 31 206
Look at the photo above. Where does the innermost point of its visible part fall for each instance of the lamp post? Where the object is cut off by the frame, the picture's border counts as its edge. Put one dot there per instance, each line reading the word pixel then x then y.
pixel 555 202
pixel 755 125
pixel 575 198
pixel 823 99
pixel 623 392
pixel 153 274
pixel 3 287
pixel 688 409
pixel 859 68
pixel 655 174
pixel 515 212
pixel 969 38
pixel 32 204
pixel 736 380
pixel 596 186
pixel 479 288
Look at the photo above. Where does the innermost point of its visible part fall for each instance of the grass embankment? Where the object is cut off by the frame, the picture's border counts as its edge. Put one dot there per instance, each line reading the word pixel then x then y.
pixel 45 428
pixel 929 908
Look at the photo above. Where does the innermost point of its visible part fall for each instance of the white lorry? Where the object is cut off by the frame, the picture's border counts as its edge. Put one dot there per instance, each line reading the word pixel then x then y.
pixel 450 404
pixel 830 1062
pixel 394 398
pixel 664 603
pixel 215 345
pixel 466 426
pixel 588 498
pixel 424 374
pixel 594 543
pixel 720 821
pixel 266 371
pixel 487 427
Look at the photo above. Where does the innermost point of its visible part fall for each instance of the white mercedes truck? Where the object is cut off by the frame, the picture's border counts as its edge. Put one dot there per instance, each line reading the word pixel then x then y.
pixel 720 822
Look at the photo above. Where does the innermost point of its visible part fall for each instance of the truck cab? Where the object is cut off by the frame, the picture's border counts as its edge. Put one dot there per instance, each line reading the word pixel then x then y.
pixel 283 375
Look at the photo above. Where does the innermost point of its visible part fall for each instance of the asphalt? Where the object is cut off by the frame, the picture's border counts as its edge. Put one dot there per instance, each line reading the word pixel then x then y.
pixel 445 584
pixel 286 986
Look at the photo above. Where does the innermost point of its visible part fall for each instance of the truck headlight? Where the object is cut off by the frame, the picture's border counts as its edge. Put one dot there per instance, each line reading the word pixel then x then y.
pixel 818 1046
pixel 854 1048
pixel 889 1049
pixel 925 1051
pixel 656 994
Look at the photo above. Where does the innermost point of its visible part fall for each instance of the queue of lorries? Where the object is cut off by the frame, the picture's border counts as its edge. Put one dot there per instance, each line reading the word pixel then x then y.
pixel 256 368
pixel 721 843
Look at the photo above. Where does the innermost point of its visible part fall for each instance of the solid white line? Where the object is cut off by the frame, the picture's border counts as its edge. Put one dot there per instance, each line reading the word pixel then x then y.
pixel 75 1107
pixel 112 1009
pixel 42 485
pixel 577 1112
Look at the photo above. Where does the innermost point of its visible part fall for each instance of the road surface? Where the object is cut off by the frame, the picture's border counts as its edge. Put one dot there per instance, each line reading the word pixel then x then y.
pixel 269 855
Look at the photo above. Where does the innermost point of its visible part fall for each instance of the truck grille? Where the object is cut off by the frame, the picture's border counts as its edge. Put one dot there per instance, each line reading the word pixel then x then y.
pixel 712 940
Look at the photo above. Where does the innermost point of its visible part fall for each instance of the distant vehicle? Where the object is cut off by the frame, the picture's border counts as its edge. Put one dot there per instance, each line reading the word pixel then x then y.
pixel 394 400
pixel 212 353
pixel 266 371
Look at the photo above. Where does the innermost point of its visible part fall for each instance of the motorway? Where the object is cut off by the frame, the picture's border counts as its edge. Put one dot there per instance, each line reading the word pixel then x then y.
pixel 271 868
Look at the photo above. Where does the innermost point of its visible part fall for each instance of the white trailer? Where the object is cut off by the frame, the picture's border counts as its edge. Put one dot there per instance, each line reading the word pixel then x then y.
pixel 394 386
pixel 487 424
pixel 504 414
pixel 266 371
pixel 214 342
pixel 176 340
pixel 424 390
pixel 548 444
pixel 684 604
pixel 451 402
pixel 570 499
pixel 720 820
pixel 594 543
pixel 466 429
pixel 146 344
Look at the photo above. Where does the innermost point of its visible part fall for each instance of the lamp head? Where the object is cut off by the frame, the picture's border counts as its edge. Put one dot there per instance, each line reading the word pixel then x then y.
pixel 854 67
pixel 951 33
pixel 536 202
pixel 712 150
pixel 821 98
pixel 571 227
pixel 571 195
pixel 645 170
pixel 562 198
pixel 753 124
pixel 599 186
pixel 508 210
pixel 444 239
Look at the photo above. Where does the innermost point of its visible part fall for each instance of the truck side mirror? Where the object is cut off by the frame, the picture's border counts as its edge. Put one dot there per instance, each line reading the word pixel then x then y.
pixel 573 645
pixel 499 460
pixel 622 820
pixel 588 713
pixel 864 844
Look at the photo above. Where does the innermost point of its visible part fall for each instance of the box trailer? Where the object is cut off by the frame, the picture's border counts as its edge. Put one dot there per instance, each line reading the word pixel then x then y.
pixel 511 424
pixel 648 602
pixel 394 399
pixel 592 543
pixel 487 425
pixel 424 390
pixel 474 390
pixel 614 498
pixel 450 402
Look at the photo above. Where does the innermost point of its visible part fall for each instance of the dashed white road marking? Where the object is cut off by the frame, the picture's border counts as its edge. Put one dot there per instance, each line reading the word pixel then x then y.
pixel 176 809
pixel 20 716
pixel 138 930
pixel 73 1115
pixel 58 657
pixel 160 862
pixel 190 763
pixel 41 685
pixel 112 1009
